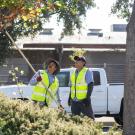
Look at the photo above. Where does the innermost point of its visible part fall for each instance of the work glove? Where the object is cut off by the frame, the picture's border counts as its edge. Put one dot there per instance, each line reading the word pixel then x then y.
pixel 86 102
pixel 61 107
pixel 39 78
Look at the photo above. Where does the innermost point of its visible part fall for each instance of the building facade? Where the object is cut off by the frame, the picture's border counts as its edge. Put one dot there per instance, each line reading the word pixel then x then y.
pixel 106 50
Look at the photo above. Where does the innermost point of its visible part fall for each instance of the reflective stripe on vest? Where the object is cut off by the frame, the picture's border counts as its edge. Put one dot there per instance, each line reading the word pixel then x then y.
pixel 40 93
pixel 78 85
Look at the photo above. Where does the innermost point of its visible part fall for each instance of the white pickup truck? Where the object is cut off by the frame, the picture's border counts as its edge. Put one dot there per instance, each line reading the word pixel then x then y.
pixel 107 99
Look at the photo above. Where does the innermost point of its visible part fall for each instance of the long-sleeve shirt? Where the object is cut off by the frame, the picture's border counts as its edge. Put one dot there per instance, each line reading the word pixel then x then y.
pixel 33 81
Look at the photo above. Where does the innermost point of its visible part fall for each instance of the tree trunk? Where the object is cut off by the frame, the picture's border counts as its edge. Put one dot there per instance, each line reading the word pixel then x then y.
pixel 129 92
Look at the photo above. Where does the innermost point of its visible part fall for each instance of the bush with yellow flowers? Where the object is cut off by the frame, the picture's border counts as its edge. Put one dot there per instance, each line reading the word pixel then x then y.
pixel 23 118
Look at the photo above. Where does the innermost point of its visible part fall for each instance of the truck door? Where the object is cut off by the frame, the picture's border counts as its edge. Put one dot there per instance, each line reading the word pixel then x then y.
pixel 99 94
pixel 64 88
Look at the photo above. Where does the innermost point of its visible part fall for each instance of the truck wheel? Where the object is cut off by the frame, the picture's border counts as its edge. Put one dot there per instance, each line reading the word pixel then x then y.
pixel 119 117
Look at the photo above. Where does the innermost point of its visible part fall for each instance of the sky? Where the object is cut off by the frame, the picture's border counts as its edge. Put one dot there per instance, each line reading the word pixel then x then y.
pixel 98 17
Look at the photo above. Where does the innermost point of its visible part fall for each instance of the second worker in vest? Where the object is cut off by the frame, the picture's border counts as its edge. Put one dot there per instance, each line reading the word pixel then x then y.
pixel 81 88
pixel 41 95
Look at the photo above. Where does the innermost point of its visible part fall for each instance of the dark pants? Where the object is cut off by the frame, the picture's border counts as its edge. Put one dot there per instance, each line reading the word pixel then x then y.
pixel 41 104
pixel 78 107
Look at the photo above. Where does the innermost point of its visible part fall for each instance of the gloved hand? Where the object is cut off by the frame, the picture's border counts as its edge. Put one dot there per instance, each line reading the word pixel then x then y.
pixel 61 107
pixel 69 101
pixel 39 78
pixel 86 102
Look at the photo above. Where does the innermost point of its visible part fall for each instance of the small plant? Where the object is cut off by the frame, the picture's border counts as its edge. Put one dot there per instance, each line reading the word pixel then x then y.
pixel 15 73
pixel 78 52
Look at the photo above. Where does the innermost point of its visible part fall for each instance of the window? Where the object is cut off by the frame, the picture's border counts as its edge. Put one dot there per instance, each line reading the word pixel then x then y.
pixel 119 27
pixel 96 77
pixel 95 32
pixel 46 31
pixel 63 78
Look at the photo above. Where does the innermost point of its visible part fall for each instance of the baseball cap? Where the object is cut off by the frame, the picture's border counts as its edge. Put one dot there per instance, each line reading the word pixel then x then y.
pixel 80 58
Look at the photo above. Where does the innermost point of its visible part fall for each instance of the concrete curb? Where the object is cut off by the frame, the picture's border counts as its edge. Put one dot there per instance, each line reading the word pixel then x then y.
pixel 107 121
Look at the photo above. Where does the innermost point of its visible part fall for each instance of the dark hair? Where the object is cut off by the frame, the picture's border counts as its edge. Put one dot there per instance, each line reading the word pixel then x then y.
pixel 56 64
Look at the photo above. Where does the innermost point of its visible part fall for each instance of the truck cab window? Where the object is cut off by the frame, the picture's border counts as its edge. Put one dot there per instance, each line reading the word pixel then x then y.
pixel 63 78
pixel 96 77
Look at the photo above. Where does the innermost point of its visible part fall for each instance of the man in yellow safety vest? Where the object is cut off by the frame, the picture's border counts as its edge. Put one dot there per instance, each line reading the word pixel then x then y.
pixel 81 88
pixel 48 77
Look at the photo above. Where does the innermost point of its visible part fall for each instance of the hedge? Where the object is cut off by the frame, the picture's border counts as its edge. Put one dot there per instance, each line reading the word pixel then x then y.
pixel 23 118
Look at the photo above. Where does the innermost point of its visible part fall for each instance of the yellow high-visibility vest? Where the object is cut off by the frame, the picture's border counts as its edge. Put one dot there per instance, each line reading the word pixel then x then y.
pixel 79 86
pixel 40 93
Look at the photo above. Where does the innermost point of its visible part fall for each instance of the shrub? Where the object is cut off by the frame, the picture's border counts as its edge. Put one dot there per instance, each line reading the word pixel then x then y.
pixel 23 118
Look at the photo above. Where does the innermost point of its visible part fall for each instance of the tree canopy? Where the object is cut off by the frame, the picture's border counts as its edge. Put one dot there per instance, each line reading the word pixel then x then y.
pixel 123 8
pixel 29 16
pixel 24 17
